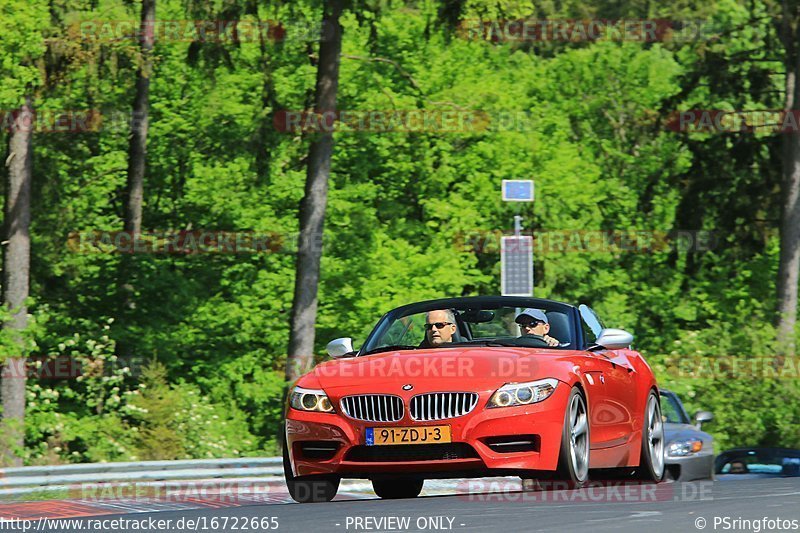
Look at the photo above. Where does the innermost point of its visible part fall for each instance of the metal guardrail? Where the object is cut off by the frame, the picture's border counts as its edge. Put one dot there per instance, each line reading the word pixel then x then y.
pixel 164 476
pixel 139 466
pixel 46 476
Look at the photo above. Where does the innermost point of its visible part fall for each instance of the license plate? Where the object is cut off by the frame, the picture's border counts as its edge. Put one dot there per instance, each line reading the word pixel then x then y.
pixel 408 435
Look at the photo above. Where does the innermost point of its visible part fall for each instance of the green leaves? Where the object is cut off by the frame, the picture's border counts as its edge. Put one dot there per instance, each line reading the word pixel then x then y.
pixel 22 23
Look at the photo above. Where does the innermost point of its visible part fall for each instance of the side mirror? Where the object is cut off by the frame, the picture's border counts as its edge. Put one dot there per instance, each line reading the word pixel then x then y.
pixel 702 416
pixel 614 339
pixel 340 347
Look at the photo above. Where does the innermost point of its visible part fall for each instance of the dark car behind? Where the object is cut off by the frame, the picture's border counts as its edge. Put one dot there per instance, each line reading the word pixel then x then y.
pixel 758 463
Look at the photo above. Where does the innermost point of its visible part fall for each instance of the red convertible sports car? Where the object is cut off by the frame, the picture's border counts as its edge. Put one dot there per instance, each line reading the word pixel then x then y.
pixel 471 387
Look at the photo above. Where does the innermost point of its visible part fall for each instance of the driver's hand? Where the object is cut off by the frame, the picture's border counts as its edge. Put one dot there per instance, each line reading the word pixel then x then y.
pixel 551 341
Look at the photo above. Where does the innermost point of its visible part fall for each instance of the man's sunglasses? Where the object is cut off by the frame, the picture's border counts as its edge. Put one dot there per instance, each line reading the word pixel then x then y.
pixel 530 324
pixel 439 325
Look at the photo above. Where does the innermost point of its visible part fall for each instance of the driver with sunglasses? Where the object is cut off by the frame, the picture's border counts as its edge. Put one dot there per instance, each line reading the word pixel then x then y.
pixel 534 322
pixel 440 325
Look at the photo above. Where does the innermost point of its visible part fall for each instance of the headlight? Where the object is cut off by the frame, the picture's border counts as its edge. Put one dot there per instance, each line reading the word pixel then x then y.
pixel 523 393
pixel 310 400
pixel 682 448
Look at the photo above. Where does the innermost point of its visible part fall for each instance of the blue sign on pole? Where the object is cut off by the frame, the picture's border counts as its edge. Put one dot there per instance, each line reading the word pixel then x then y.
pixel 517 190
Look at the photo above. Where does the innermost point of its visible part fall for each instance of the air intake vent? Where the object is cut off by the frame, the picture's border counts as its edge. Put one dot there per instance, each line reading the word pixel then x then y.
pixel 318 449
pixel 442 405
pixel 373 407
pixel 419 452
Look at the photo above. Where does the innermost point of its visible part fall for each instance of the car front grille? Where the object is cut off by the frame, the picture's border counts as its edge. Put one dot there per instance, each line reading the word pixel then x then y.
pixel 416 452
pixel 442 405
pixel 373 407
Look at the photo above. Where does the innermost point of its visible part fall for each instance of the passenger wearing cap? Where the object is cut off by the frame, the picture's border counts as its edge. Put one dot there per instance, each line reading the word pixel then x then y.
pixel 534 322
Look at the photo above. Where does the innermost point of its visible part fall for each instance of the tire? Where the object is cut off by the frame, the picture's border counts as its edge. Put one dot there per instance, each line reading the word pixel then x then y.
pixel 396 489
pixel 651 464
pixel 308 489
pixel 573 458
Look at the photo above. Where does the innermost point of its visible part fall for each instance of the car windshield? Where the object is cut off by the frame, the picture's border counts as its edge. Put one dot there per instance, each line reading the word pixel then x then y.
pixel 671 410
pixel 472 326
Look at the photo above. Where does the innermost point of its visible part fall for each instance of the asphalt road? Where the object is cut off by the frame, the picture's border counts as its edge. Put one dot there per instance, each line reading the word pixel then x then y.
pixel 716 506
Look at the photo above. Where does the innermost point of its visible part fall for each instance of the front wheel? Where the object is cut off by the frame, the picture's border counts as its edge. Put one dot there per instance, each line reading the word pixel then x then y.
pixel 395 489
pixel 651 464
pixel 573 459
pixel 308 489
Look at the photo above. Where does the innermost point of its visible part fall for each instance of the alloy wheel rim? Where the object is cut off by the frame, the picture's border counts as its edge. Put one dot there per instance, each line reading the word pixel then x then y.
pixel 655 436
pixel 579 437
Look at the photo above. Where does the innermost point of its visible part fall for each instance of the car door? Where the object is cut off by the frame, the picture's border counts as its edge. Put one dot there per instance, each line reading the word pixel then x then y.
pixel 613 387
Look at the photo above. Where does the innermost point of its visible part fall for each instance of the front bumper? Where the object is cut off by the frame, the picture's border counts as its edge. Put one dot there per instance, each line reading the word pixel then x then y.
pixel 483 430
pixel 699 466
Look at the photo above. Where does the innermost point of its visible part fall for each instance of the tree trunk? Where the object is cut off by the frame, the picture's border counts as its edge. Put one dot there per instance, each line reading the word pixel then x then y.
pixel 312 208
pixel 16 278
pixel 263 142
pixel 137 159
pixel 137 149
pixel 789 265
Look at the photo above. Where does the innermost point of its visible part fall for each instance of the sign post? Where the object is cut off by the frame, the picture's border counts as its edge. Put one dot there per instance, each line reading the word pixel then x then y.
pixel 516 253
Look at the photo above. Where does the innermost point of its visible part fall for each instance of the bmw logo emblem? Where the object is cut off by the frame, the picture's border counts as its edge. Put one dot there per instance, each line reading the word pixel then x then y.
pixel 408 387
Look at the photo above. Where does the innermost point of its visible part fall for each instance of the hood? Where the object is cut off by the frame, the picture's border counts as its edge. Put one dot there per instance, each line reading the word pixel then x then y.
pixel 674 432
pixel 470 368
